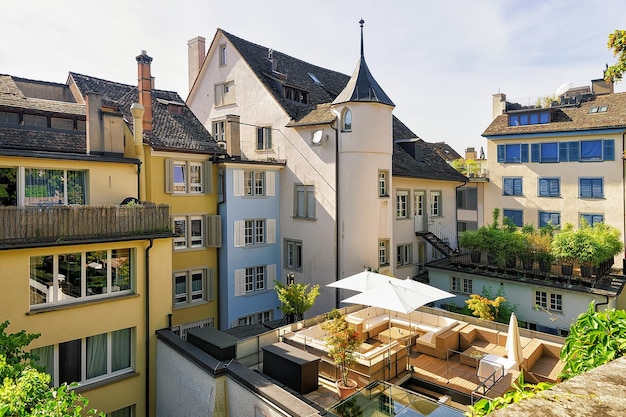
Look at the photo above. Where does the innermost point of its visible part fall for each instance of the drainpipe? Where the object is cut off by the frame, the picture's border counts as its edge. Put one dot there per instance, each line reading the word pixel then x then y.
pixel 606 303
pixel 147 324
pixel 337 224
pixel 220 204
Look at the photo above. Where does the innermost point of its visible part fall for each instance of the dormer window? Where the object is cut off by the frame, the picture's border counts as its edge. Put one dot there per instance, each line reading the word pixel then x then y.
pixel 346 120
pixel 295 94
pixel 531 118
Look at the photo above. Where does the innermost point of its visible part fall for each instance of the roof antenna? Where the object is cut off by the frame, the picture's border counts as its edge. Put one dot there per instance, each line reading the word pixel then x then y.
pixel 361 23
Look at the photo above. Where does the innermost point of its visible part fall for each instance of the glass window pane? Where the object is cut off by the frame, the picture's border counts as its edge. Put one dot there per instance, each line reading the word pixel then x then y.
pixel 69 276
pixel 76 186
pixel 180 288
pixel 513 153
pixel 197 285
pixel 45 360
pixel 70 359
pixel 8 186
pixel 121 269
pixel 97 265
pixel 41 280
pixel 591 150
pixel 196 232
pixel 549 152
pixel 179 177
pixel 120 349
pixel 195 177
pixel 43 187
pixel 96 355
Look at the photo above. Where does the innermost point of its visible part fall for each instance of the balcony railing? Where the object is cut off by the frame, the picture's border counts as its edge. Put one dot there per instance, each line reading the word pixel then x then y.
pixel 27 226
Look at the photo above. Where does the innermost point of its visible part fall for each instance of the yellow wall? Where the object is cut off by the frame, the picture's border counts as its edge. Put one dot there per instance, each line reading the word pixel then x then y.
pixel 89 318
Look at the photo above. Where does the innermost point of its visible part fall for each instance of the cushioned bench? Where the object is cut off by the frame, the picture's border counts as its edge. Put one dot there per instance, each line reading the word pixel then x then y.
pixel 542 360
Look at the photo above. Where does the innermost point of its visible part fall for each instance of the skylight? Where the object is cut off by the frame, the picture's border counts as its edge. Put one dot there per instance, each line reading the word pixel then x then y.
pixel 314 78
pixel 598 109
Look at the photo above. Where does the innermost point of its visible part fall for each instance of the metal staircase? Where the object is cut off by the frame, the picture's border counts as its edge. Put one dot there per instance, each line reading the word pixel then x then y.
pixel 439 244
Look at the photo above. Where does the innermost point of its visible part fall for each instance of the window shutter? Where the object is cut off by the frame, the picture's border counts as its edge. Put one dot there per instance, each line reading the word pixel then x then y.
pixel 213 231
pixel 270 183
pixel 240 282
pixel 238 183
pixel 271 231
pixel 501 153
pixel 609 149
pixel 207 173
pixel 534 152
pixel 240 234
pixel 210 284
pixel 271 276
pixel 563 152
pixel 574 151
pixel 169 176
pixel 524 152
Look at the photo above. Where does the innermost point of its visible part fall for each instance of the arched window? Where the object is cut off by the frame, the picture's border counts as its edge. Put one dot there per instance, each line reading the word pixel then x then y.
pixel 346 117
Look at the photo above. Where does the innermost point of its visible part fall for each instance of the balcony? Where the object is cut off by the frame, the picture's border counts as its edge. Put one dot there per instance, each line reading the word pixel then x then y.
pixel 44 226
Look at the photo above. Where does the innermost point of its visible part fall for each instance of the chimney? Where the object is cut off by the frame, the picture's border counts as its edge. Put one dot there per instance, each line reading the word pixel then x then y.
pixel 232 135
pixel 195 57
pixel 499 104
pixel 95 140
pixel 470 153
pixel 145 89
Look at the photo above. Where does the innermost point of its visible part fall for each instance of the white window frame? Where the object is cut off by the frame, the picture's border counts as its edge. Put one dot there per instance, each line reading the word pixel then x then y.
pixel 186 238
pixel 247 232
pixel 222 55
pixel 22 198
pixel 293 254
pixel 219 130
pixel 383 252
pixel 404 255
pixel 254 183
pixel 436 207
pixel 403 204
pixel 383 183
pixel 346 120
pixel 224 93
pixel 461 285
pixel 197 177
pixel 192 296
pixel 308 201
pixel 263 138
pixel 254 279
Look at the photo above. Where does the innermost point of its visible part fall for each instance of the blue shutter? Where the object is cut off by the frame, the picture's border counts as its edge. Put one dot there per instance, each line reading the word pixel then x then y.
pixel 555 187
pixel 534 152
pixel 609 149
pixel 585 188
pixel 574 151
pixel 597 188
pixel 563 157
pixel 501 153
pixel 524 152
pixel 517 186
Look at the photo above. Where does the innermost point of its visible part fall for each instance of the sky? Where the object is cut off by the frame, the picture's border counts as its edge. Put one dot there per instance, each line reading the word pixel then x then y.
pixel 439 61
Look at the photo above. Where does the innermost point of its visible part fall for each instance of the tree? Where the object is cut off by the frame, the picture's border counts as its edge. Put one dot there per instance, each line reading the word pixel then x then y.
pixel 25 390
pixel 294 299
pixel 617 43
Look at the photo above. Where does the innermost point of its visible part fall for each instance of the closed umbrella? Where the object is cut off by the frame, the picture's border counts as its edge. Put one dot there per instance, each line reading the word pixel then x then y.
pixel 514 343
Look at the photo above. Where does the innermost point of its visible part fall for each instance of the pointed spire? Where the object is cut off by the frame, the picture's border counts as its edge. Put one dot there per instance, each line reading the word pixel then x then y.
pixel 362 85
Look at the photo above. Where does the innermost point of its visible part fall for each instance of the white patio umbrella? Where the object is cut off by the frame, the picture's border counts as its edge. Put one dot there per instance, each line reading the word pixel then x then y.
pixel 360 282
pixel 514 343
pixel 401 295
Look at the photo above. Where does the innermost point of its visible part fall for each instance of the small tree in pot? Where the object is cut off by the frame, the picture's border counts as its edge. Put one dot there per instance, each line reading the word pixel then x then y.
pixel 342 340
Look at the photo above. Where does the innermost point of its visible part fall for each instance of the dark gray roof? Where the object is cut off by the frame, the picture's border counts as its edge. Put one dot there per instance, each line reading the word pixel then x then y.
pixel 32 138
pixel 570 119
pixel 179 132
pixel 419 159
pixel 363 87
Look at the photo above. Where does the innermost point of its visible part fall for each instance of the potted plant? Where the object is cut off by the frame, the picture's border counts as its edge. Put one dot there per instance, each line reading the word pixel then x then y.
pixel 474 242
pixel 295 299
pixel 563 248
pixel 342 340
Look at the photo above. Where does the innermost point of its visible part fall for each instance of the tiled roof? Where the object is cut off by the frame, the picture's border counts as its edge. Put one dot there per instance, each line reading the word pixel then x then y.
pixel 25 138
pixel 407 162
pixel 318 116
pixel 12 96
pixel 570 119
pixel 180 132
pixel 445 151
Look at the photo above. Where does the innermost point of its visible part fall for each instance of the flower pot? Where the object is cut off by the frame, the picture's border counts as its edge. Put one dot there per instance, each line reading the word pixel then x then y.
pixel 345 391
pixel 545 266
pixel 567 270
pixel 475 257
pixel 586 271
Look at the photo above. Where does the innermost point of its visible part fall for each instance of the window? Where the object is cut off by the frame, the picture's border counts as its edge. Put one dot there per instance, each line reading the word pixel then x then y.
pixel 9 118
pixel 187 177
pixel 383 252
pixel 254 232
pixel 514 153
pixel 467 198
pixel 263 138
pixel 219 130
pixel 304 204
pixel 225 93
pixel 462 226
pixel 190 231
pixel 512 186
pixel 591 188
pixel 435 204
pixel 591 150
pixel 404 255
pixel 293 254
pixel 402 204
pixel 592 219
pixel 549 187
pixel 222 48
pixel 193 286
pixel 552 218
pixel 254 279
pixel 254 183
pixel 346 118
pixel 61 123
pixel 65 278
pixel 123 412
pixel 516 216
pixel 542 298
pixel 575 151
pixel 462 285
pixel 45 187
pixel 383 177
pixel 89 359
pixel 534 118
pixel 257 318
pixel 295 94
pixel 549 152
pixel 8 187
pixel 35 120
